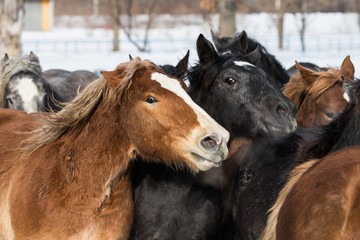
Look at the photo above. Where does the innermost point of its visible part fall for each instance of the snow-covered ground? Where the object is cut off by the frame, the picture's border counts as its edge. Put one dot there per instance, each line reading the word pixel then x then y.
pixel 330 37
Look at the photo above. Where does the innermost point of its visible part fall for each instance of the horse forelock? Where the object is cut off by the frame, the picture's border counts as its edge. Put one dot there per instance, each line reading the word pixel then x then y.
pixel 296 88
pixel 76 114
pixel 201 77
pixel 13 67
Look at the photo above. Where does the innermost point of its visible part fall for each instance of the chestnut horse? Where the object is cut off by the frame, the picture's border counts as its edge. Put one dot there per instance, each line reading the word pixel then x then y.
pixel 319 94
pixel 66 175
pixel 321 198
pixel 179 205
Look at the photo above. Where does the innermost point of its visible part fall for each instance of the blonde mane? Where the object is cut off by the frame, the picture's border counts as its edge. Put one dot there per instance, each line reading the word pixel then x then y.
pixel 297 88
pixel 14 66
pixel 78 112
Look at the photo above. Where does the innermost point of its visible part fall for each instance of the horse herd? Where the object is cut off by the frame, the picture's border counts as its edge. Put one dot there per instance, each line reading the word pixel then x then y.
pixel 136 154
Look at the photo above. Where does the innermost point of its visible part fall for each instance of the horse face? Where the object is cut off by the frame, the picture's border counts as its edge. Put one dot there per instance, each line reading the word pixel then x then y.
pixel 24 93
pixel 173 127
pixel 240 96
pixel 263 108
pixel 329 105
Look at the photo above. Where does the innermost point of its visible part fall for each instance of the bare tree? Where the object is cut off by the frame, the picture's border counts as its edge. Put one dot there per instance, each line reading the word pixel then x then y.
pixel 208 9
pixel 357 4
pixel 280 7
pixel 149 10
pixel 11 25
pixel 227 14
pixel 115 17
pixel 302 5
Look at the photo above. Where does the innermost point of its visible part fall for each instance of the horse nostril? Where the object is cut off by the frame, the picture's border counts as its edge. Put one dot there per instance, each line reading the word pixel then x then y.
pixel 210 142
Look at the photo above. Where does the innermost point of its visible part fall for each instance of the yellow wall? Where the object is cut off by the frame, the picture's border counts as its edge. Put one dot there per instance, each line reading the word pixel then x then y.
pixel 45 15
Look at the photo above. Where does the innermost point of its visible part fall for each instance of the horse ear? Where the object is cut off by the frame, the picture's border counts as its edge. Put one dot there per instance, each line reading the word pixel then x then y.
pixel 182 66
pixel 112 77
pixel 254 56
pixel 130 57
pixel 242 39
pixel 205 50
pixel 5 59
pixel 307 75
pixel 33 57
pixel 347 69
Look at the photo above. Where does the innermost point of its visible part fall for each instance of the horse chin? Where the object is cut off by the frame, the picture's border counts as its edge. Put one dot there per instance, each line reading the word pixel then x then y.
pixel 277 130
pixel 204 164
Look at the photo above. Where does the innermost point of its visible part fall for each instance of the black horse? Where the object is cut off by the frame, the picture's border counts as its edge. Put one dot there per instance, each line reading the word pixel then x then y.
pixel 293 69
pixel 241 44
pixel 176 204
pixel 265 167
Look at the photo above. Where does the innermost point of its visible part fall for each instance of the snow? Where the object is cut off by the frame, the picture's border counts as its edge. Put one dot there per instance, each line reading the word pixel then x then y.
pixel 329 38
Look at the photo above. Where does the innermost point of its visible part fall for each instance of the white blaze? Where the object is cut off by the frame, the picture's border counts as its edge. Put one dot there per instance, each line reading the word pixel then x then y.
pixel 346 96
pixel 243 63
pixel 174 86
pixel 29 93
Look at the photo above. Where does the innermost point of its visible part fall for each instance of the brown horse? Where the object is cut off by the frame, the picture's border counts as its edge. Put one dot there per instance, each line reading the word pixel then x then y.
pixel 321 200
pixel 66 175
pixel 319 95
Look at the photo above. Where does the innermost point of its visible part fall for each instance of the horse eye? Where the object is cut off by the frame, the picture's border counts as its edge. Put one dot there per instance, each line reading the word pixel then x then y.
pixel 230 80
pixel 9 101
pixel 150 100
pixel 342 78
pixel 330 115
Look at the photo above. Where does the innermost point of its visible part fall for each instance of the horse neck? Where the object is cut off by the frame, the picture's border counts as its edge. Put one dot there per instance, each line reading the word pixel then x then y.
pixel 348 135
pixel 95 159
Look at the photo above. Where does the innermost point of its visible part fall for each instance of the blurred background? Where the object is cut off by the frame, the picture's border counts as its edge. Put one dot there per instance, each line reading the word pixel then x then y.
pixel 100 34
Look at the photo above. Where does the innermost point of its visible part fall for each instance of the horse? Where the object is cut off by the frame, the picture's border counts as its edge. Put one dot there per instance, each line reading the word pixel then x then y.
pixel 241 44
pixel 321 198
pixel 23 86
pixel 67 174
pixel 293 69
pixel 68 84
pixel 265 166
pixel 179 205
pixel 319 94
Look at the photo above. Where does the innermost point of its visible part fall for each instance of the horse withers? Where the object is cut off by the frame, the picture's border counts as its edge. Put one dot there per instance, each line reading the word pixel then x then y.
pixel 67 174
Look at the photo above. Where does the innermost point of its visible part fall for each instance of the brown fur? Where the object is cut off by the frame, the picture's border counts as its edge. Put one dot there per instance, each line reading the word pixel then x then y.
pixel 318 93
pixel 321 201
pixel 73 182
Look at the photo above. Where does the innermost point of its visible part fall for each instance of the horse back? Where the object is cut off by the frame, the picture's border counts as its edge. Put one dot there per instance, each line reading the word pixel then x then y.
pixel 324 202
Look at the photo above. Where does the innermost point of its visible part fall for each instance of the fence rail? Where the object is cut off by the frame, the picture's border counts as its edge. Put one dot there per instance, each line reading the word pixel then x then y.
pixel 318 43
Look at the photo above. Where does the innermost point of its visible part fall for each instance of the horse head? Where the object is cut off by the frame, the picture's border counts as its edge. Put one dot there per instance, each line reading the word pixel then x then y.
pixel 319 94
pixel 238 95
pixel 23 86
pixel 168 117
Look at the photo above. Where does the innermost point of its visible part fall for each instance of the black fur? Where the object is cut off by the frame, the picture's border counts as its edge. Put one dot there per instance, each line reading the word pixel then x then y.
pixel 240 44
pixel 174 204
pixel 267 164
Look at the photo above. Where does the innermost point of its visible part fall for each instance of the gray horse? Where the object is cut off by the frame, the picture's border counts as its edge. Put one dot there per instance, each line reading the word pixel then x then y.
pixel 23 86
pixel 68 84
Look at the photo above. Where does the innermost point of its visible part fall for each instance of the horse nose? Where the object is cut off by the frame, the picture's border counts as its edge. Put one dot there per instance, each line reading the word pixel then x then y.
pixel 211 142
pixel 286 110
